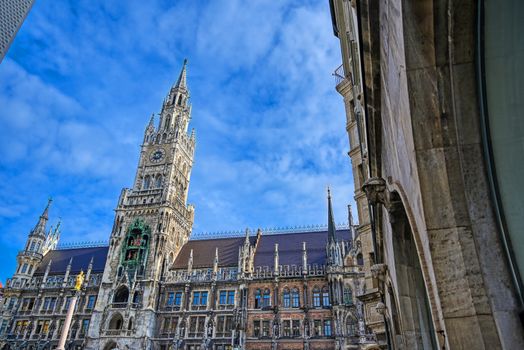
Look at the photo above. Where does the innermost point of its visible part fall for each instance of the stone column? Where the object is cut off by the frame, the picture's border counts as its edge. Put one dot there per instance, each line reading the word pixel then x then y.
pixel 67 322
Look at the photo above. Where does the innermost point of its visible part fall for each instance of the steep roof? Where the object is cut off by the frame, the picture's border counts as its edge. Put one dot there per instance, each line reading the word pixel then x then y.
pixel 289 247
pixel 81 258
pixel 204 252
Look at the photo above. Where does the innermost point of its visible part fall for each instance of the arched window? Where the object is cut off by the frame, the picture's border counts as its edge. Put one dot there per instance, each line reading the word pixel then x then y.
pixel 258 299
pixel 316 297
pixel 158 181
pixel 267 298
pixel 286 298
pixel 116 322
pixel 325 297
pixel 351 327
pixel 295 298
pixel 32 247
pixel 147 182
pixel 348 296
pixel 360 259
pixel 168 122
pixel 164 137
pixel 121 295
pixel 37 247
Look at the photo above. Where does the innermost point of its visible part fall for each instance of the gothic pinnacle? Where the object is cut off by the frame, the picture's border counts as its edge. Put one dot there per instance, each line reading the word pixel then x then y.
pixel 331 220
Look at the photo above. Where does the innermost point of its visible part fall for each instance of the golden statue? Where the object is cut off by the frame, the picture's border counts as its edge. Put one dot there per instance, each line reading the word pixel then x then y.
pixel 79 280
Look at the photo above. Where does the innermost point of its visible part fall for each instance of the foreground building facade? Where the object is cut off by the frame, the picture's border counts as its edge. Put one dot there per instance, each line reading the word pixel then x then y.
pixel 154 288
pixel 431 89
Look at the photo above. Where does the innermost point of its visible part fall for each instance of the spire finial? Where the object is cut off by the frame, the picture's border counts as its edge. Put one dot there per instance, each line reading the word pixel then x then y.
pixel 331 220
pixel 181 82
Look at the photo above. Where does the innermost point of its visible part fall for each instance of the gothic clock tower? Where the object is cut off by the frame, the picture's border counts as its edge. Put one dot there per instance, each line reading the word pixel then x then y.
pixel 152 222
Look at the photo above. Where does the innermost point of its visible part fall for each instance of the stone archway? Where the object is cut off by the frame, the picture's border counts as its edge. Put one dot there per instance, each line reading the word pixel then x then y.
pixel 417 329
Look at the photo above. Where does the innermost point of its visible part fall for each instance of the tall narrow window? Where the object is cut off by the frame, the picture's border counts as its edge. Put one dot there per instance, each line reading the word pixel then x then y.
pixel 286 298
pixel 258 299
pixel 316 297
pixel 286 328
pixel 348 296
pixel 267 298
pixel 327 328
pixel 296 328
pixel 295 298
pixel 325 297
pixel 256 328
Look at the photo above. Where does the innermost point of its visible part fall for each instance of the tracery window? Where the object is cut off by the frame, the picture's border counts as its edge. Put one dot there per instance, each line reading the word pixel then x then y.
pixel 258 299
pixel 348 296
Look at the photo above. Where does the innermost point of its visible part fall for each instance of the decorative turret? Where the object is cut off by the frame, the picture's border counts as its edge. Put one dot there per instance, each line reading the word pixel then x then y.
pixel 31 256
pixel 51 240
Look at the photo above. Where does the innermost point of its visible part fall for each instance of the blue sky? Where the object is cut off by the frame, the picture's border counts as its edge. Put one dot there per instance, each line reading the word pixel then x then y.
pixel 81 79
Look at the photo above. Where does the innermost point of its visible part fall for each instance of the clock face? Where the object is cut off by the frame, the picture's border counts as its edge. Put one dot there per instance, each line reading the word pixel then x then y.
pixel 157 155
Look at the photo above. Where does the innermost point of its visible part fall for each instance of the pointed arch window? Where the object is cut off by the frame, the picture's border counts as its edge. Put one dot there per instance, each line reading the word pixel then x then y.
pixel 286 298
pixel 147 182
pixel 360 259
pixel 158 181
pixel 295 298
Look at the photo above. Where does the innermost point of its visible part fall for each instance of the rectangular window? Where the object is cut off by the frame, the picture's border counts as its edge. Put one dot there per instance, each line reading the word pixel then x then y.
pixel 67 303
pixel 231 297
pixel 170 325
pixel 265 328
pixel 224 326
pixel 256 328
pixel 59 328
pixel 203 298
pixel 3 327
pixel 296 328
pixel 327 328
pixel 170 298
pixel 38 328
pixel 52 304
pixel 12 302
pixel 178 298
pixel 27 304
pixel 196 298
pixel 317 328
pixel 286 328
pixel 196 326
pixel 295 299
pixel 85 326
pixel 316 299
pixel 223 297
pixel 325 299
pixel 24 268
pixel 91 301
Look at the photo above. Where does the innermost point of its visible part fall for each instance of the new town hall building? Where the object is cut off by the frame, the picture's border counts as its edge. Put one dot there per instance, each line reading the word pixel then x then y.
pixel 153 287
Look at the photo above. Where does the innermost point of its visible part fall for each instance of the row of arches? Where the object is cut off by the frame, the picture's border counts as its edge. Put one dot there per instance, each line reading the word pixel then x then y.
pixel 152 181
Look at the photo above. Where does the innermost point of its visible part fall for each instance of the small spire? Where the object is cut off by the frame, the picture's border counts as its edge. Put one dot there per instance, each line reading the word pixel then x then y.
pixel 276 262
pixel 181 82
pixel 215 262
pixel 350 216
pixel 304 258
pixel 152 120
pixel 190 263
pixel 331 220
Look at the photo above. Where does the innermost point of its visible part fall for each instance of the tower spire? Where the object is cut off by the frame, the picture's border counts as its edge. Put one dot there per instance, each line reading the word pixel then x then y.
pixel 42 221
pixel 181 82
pixel 331 220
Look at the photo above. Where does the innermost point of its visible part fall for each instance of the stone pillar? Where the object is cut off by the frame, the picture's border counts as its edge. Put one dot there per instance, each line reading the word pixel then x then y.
pixel 67 323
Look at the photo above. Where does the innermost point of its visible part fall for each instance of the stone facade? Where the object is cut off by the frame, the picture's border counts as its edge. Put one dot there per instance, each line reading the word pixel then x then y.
pixel 154 288
pixel 435 271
